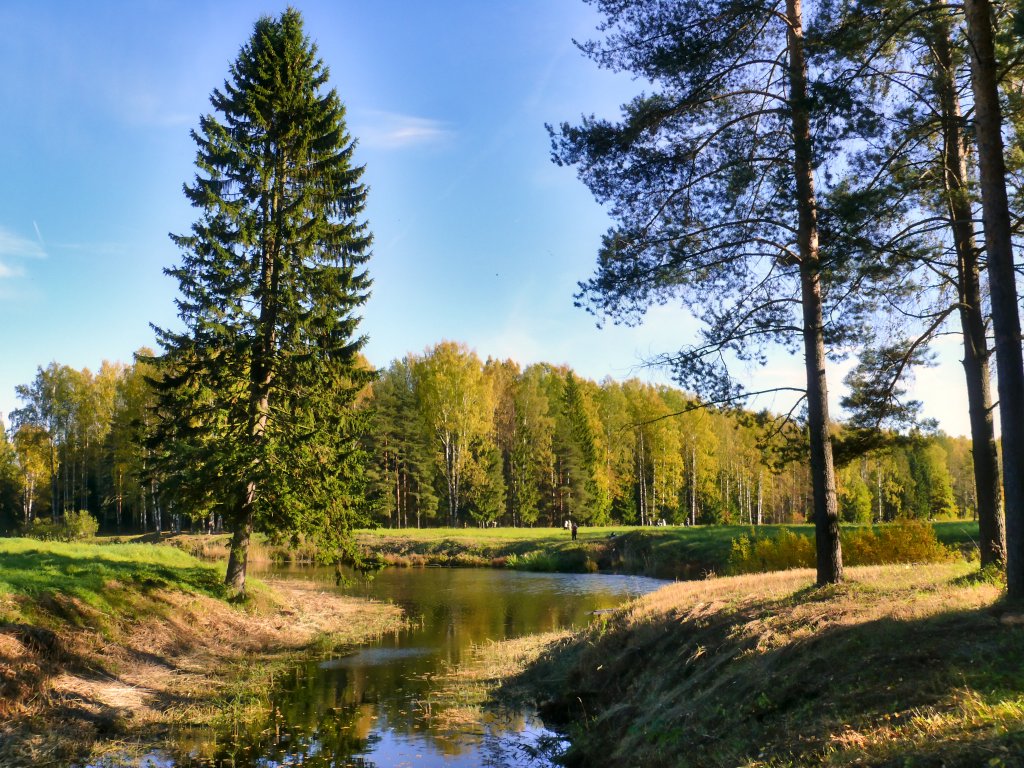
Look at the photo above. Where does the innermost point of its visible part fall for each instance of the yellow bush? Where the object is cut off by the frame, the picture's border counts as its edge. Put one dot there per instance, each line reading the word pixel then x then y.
pixel 906 541
pixel 758 554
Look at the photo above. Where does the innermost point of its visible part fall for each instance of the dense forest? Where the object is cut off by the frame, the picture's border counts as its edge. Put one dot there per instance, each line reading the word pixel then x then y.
pixel 459 441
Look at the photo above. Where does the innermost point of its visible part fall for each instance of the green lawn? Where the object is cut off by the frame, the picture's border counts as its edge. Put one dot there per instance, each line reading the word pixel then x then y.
pixel 92 572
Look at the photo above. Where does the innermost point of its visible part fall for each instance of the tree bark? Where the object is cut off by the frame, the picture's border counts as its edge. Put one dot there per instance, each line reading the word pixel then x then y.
pixel 823 478
pixel 238 557
pixel 1005 314
pixel 991 525
pixel 261 378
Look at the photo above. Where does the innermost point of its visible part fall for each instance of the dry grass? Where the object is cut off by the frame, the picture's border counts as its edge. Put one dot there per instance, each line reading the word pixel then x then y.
pixel 899 666
pixel 192 660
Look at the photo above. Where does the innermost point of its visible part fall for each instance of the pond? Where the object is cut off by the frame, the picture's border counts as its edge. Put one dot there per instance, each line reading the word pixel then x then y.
pixel 370 708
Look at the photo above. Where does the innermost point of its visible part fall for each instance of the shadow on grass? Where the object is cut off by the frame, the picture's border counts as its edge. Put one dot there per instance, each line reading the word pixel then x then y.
pixel 726 689
pixel 89 576
pixel 62 600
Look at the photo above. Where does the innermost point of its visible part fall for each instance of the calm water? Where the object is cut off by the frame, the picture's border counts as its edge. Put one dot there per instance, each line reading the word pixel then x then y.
pixel 369 708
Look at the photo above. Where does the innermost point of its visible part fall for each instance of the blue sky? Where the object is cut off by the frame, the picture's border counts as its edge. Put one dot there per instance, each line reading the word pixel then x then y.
pixel 478 236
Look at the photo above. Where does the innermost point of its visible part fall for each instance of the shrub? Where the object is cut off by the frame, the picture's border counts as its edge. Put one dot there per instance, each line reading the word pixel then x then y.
pixel 758 554
pixel 75 526
pixel 535 560
pixel 43 529
pixel 80 525
pixel 907 541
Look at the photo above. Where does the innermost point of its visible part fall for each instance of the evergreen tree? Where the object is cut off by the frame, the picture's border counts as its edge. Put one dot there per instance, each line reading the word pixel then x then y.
pixel 255 400
pixel 988 126
pixel 402 448
pixel 710 179
pixel 929 474
pixel 530 451
pixel 579 455
pixel 922 168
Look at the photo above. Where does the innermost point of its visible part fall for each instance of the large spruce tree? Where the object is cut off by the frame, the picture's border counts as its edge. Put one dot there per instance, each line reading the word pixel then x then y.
pixel 255 417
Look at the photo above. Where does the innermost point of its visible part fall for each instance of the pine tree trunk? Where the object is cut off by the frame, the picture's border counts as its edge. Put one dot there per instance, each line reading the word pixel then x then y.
pixel 1002 282
pixel 823 479
pixel 157 520
pixel 991 525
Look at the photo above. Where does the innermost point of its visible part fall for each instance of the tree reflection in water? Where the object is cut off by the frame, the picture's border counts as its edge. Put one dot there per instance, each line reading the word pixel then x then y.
pixel 367 708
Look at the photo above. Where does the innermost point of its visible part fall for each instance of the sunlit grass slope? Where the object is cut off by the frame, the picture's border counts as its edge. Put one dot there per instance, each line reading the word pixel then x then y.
pixel 900 666
pixel 108 645
pixel 105 577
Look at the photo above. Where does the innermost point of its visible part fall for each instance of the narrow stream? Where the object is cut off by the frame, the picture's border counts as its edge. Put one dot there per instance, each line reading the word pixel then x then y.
pixel 369 709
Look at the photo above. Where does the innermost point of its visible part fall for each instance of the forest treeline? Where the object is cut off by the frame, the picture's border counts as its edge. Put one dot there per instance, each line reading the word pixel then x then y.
pixel 455 440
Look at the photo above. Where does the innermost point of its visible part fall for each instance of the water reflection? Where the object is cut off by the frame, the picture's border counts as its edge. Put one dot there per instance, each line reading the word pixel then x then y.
pixel 369 708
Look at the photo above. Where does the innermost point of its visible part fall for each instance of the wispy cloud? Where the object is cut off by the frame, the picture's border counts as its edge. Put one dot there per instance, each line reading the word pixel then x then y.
pixel 391 130
pixel 15 248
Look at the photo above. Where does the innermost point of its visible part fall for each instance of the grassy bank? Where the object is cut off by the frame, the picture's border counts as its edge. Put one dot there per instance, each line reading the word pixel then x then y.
pixel 680 553
pixel 108 644
pixel 464 697
pixel 900 666
pixel 671 552
pixel 215 546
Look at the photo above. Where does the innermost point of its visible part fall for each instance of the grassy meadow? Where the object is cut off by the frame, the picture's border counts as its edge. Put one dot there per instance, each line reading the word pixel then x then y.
pixel 673 552
pixel 91 573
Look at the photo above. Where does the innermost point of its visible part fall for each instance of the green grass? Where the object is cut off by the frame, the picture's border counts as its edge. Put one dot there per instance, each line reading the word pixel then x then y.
pixel 962 534
pixel 668 552
pixel 152 618
pixel 671 552
pixel 89 572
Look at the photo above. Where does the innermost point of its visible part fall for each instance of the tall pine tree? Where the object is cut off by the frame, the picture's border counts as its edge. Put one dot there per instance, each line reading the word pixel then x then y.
pixel 710 179
pixel 254 403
